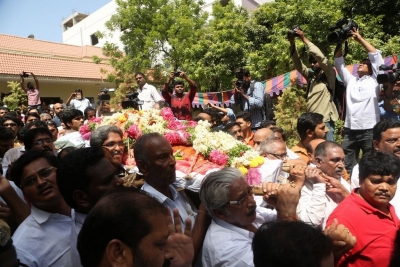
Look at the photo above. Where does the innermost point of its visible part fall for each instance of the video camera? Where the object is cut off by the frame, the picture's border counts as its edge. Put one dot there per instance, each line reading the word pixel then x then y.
pixel 291 33
pixel 239 74
pixel 343 33
pixel 390 77
pixel 133 102
pixel 103 96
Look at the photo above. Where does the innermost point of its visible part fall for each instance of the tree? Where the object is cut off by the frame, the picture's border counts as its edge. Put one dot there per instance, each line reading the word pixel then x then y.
pixel 155 31
pixel 17 98
pixel 222 48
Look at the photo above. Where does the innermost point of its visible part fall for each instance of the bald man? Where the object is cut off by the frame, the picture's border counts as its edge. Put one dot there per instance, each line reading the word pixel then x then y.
pixel 261 135
pixel 311 148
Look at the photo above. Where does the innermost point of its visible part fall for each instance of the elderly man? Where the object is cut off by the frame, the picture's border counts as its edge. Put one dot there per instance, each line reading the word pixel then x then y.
pixel 261 135
pixel 128 228
pixel 83 176
pixel 236 217
pixel 386 138
pixel 156 162
pixel 58 110
pixel 367 213
pixel 324 187
pixel 43 238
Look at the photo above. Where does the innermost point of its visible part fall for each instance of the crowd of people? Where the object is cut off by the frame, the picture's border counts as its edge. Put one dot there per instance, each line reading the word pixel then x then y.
pixel 66 202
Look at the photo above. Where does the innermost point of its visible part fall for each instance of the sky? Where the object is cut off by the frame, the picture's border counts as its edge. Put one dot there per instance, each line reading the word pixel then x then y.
pixel 42 18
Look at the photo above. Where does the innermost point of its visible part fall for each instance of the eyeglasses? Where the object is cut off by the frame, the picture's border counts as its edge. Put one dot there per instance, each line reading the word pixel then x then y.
pixel 279 156
pixel 110 145
pixel 43 174
pixel 9 124
pixel 240 202
pixel 41 142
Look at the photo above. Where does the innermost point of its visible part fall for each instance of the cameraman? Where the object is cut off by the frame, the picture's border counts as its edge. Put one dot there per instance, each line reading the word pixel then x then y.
pixel 79 102
pixel 31 91
pixel 362 93
pixel 319 99
pixel 180 103
pixel 250 98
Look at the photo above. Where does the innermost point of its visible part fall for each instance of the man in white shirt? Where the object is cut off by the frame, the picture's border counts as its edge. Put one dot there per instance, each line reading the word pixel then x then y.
pixel 83 176
pixel 73 119
pixel 42 239
pixel 362 92
pixel 79 102
pixel 386 138
pixel 156 163
pixel 147 93
pixel 229 200
pixel 324 187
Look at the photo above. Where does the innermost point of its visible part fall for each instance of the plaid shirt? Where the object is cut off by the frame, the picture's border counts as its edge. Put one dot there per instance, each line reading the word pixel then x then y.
pixel 255 104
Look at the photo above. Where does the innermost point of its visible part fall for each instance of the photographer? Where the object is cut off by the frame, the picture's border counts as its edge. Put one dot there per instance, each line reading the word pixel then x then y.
pixel 31 91
pixel 250 97
pixel 362 94
pixel 180 103
pixel 319 99
pixel 79 102
pixel 147 93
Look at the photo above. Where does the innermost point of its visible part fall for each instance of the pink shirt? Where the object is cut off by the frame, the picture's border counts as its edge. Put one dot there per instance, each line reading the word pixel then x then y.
pixel 33 97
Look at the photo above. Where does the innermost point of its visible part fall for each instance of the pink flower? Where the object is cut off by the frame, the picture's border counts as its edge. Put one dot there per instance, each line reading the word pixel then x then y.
pixel 176 125
pixel 134 131
pixel 254 176
pixel 96 120
pixel 218 157
pixel 84 129
pixel 177 138
pixel 192 123
pixel 167 114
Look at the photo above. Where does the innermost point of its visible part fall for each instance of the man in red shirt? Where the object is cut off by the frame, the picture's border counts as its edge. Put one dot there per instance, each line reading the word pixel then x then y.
pixel 180 103
pixel 367 213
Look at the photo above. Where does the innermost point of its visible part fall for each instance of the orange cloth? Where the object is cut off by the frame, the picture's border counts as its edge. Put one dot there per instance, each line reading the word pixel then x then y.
pixel 249 141
pixel 301 151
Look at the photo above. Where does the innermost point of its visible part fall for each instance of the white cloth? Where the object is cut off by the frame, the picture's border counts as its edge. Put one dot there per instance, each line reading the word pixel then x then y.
pixel 355 183
pixel 229 245
pixel 10 156
pixel 80 104
pixel 315 205
pixel 149 95
pixel 43 239
pixel 77 221
pixel 291 154
pixel 177 202
pixel 362 110
pixel 71 139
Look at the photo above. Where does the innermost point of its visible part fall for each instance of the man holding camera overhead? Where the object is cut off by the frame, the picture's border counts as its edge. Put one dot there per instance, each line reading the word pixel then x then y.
pixel 31 91
pixel 362 94
pixel 319 99
pixel 250 95
pixel 77 101
pixel 180 103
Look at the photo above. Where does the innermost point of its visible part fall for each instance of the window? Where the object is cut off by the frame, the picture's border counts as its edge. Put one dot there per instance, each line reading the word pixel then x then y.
pixel 94 39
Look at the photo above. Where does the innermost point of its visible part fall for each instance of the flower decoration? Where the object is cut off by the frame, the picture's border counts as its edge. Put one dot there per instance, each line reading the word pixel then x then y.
pixel 167 114
pixel 254 176
pixel 134 132
pixel 218 157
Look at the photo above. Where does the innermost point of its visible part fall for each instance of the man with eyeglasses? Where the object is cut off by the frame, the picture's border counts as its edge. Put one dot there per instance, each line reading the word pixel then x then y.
pixel 324 187
pixel 235 216
pixel 73 120
pixel 39 139
pixel 42 239
pixel 147 93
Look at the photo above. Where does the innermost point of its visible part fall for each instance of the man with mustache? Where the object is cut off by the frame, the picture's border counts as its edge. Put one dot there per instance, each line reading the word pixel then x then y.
pixel 234 129
pixel 229 201
pixel 386 138
pixel 324 187
pixel 156 163
pixel 367 213
pixel 39 139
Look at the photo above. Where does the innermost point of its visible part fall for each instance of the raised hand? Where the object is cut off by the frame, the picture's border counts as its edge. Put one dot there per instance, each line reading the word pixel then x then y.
pixel 342 239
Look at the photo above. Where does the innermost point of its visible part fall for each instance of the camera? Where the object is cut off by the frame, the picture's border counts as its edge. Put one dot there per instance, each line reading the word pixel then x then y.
pixel 133 101
pixel 104 96
pixel 239 74
pixel 24 74
pixel 292 34
pixel 342 33
pixel 177 74
pixel 390 77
